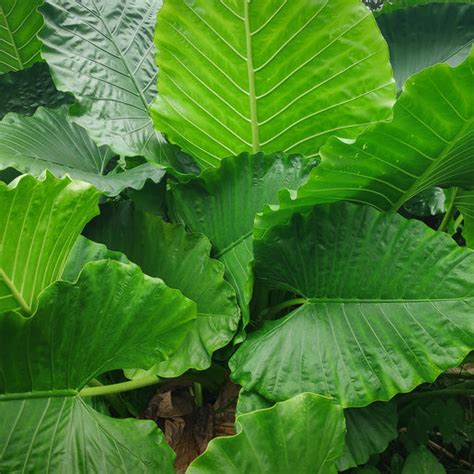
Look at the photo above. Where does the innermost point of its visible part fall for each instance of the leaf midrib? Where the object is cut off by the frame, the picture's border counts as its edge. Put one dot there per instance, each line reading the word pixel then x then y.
pixel 10 34
pixel 14 292
pixel 251 79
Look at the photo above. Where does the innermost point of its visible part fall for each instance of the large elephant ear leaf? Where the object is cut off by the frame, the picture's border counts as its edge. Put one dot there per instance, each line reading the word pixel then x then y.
pixel 229 81
pixel 19 26
pixel 45 422
pixel 368 430
pixel 40 221
pixel 419 36
pixel 465 203
pixel 182 260
pixel 428 143
pixel 262 444
pixel 49 140
pixel 222 205
pixel 102 52
pixel 387 305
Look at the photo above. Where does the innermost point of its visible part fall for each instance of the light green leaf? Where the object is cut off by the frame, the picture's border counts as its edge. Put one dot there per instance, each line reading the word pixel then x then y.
pixel 421 36
pixel 24 91
pixel 465 203
pixel 388 305
pixel 303 434
pixel 85 251
pixel 102 52
pixel 428 143
pixel 40 221
pixel 49 140
pixel 249 76
pixel 182 261
pixel 368 429
pixel 19 25
pixel 422 461
pixel 222 204
pixel 113 317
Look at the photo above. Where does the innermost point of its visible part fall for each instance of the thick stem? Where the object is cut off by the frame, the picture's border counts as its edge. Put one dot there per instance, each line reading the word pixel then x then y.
pixel 113 400
pixel 449 212
pixel 269 313
pixel 105 390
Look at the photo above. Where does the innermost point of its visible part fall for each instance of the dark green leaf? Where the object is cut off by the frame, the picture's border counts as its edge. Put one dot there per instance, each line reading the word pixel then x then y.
pixel 422 462
pixel 223 202
pixel 387 305
pixel 19 25
pixel 24 91
pixel 421 36
pixel 113 317
pixel 182 261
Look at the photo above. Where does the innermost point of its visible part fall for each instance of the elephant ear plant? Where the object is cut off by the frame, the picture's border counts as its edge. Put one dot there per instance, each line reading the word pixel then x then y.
pixel 256 210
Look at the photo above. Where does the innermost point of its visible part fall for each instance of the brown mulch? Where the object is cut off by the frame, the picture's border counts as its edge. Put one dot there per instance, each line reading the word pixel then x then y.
pixel 187 427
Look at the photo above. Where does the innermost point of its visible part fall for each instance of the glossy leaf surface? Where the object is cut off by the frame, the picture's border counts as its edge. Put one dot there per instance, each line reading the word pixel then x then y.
pixel 50 140
pixel 102 52
pixel 40 221
pixel 244 75
pixel 263 443
pixel 428 143
pixel 388 306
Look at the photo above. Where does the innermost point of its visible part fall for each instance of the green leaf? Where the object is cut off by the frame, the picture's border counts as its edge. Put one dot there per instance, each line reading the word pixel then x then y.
pixel 24 91
pixel 368 430
pixel 465 203
pixel 19 25
pixel 49 140
pixel 85 251
pixel 428 143
pixel 39 222
pixel 182 261
pixel 390 6
pixel 102 52
pixel 58 435
pixel 388 305
pixel 222 204
pixel 113 317
pixel 422 461
pixel 421 36
pixel 303 434
pixel 246 76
